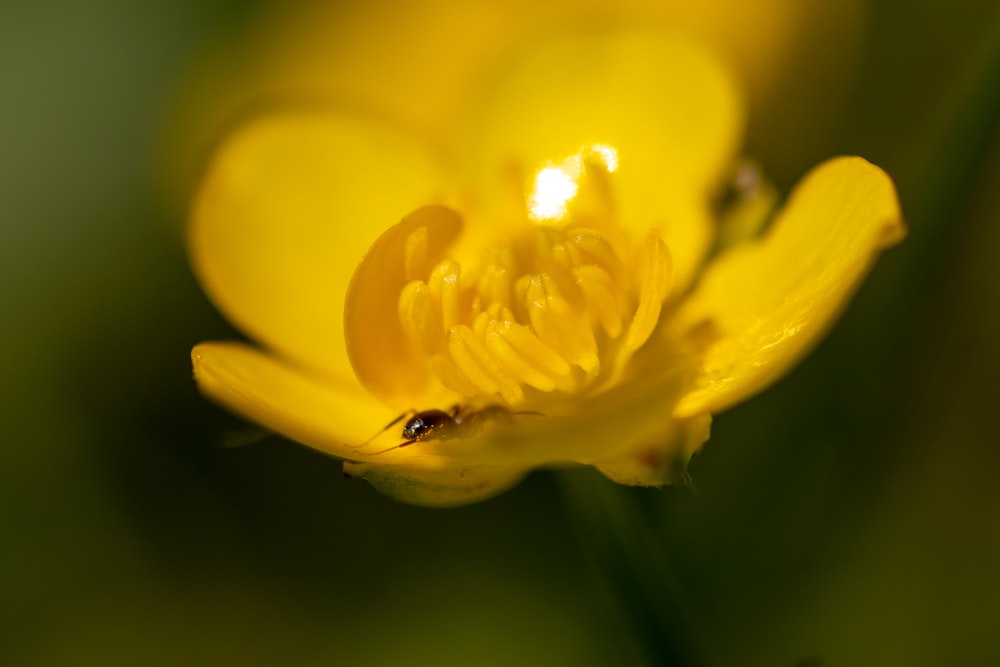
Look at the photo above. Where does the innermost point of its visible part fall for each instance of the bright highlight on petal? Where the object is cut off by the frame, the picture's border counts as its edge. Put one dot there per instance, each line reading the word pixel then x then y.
pixel 668 108
pixel 605 154
pixel 555 186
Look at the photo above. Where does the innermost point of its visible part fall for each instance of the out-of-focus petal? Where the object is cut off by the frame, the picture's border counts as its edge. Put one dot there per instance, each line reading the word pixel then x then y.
pixel 419 56
pixel 770 300
pixel 288 206
pixel 329 416
pixel 664 104
pixel 445 487
pixel 383 357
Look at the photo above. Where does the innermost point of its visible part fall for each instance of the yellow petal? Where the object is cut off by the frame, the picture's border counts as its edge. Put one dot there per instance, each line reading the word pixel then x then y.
pixel 326 416
pixel 665 105
pixel 384 359
pixel 447 487
pixel 661 461
pixel 417 57
pixel 771 300
pixel 286 209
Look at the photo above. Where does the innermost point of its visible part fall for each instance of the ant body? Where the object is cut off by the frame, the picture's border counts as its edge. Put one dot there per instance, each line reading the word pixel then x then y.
pixel 442 425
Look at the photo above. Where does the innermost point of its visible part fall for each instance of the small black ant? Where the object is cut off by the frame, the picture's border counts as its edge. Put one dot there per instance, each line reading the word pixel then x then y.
pixel 442 425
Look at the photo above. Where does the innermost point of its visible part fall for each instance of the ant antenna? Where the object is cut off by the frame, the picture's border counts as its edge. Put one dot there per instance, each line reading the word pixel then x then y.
pixel 389 449
pixel 385 428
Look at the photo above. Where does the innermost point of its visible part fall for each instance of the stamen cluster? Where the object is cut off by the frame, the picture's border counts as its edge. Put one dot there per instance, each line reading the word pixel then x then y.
pixel 549 310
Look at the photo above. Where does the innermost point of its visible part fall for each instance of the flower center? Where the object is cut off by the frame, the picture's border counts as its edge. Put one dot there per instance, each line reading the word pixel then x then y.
pixel 560 304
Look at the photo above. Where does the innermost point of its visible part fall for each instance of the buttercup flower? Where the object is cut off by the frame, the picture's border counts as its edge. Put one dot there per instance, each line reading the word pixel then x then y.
pixel 545 288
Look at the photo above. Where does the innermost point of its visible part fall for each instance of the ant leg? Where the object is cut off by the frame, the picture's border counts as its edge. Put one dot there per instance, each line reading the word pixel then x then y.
pixel 393 423
pixel 405 444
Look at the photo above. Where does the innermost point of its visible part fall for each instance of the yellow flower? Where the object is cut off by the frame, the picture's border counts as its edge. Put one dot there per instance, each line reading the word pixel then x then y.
pixel 550 271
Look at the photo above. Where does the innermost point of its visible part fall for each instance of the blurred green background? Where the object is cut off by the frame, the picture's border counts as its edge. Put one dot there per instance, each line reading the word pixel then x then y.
pixel 848 516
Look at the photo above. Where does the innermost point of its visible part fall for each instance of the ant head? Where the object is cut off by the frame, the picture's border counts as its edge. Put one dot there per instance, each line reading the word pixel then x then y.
pixel 425 423
pixel 414 427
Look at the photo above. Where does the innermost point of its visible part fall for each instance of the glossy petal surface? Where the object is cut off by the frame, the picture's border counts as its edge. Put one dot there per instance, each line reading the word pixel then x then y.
pixel 287 208
pixel 771 300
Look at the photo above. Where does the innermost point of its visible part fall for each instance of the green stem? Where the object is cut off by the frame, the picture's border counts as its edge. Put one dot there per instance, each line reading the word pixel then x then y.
pixel 628 550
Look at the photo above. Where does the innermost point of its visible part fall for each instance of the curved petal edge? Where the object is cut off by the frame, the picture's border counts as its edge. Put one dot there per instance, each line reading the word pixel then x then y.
pixel 446 487
pixel 771 300
pixel 286 208
pixel 271 392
